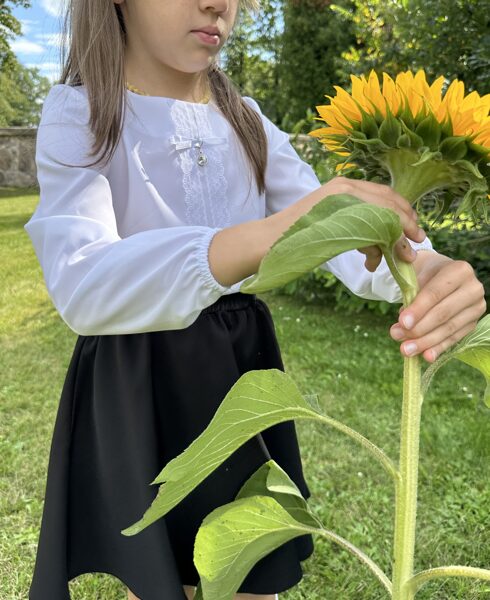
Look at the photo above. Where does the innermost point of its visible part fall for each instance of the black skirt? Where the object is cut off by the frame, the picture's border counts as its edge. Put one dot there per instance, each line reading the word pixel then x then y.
pixel 129 404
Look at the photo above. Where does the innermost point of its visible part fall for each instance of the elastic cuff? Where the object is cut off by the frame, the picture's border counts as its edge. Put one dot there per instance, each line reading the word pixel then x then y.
pixel 202 254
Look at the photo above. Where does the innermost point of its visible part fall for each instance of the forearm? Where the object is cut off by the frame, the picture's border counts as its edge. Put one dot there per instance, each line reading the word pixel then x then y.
pixel 235 252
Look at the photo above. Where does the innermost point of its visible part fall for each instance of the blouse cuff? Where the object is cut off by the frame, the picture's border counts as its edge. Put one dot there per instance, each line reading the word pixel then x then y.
pixel 203 261
pixel 425 245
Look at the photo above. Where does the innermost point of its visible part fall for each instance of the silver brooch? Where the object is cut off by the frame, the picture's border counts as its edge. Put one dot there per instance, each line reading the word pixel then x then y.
pixel 202 159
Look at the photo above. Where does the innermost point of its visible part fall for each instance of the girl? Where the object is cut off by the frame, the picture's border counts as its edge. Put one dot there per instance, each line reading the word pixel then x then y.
pixel 161 191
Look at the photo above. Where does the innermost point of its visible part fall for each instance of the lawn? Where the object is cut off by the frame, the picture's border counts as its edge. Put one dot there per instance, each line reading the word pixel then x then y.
pixel 353 366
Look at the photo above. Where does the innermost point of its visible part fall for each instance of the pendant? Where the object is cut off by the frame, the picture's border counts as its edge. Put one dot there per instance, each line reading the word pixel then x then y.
pixel 202 159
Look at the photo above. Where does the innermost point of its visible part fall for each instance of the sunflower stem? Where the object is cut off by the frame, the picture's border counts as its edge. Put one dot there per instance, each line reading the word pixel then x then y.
pixel 415 182
pixel 406 485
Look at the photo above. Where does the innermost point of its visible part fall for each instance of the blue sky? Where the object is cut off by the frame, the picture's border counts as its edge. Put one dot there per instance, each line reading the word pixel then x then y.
pixel 39 44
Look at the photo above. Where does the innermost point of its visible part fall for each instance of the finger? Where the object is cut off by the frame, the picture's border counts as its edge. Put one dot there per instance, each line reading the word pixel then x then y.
pixel 373 257
pixel 408 220
pixel 445 310
pixel 445 335
pixel 431 354
pixel 404 250
pixel 382 194
pixel 442 284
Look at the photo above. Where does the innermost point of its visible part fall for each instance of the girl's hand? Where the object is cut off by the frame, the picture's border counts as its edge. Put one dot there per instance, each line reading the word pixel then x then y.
pixel 447 307
pixel 384 196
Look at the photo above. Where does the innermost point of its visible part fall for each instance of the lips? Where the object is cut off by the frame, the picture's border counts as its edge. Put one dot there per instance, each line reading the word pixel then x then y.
pixel 209 29
pixel 207 38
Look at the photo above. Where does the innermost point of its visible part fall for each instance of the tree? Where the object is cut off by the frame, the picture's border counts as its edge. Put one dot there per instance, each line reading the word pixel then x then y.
pixel 314 38
pixel 22 88
pixel 251 55
pixel 9 28
pixel 445 37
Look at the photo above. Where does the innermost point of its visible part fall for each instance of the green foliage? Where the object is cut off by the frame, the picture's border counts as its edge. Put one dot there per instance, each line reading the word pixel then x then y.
pixel 314 38
pixel 468 241
pixel 9 28
pixel 23 89
pixel 251 55
pixel 444 37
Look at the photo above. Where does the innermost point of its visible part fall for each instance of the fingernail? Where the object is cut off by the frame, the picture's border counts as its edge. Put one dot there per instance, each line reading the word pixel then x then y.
pixel 397 333
pixel 410 349
pixel 408 321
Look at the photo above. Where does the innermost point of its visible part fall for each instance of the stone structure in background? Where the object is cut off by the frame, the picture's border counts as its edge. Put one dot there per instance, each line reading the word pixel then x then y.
pixel 17 156
pixel 17 150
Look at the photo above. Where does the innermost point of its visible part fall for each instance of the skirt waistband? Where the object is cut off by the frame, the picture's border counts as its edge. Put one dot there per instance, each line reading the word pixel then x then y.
pixel 231 302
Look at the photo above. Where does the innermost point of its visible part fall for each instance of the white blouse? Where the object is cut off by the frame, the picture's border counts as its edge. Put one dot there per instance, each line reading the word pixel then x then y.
pixel 124 248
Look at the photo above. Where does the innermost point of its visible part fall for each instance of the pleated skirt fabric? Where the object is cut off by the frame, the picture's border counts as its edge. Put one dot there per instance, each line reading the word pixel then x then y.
pixel 129 404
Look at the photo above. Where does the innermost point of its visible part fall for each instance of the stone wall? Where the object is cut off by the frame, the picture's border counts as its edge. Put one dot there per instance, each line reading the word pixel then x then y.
pixel 17 150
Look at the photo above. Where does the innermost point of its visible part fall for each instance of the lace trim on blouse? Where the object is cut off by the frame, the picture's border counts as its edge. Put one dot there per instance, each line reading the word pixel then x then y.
pixel 205 187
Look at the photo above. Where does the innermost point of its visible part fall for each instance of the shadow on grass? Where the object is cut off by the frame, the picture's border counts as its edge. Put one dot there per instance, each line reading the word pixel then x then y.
pixel 7 192
pixel 10 223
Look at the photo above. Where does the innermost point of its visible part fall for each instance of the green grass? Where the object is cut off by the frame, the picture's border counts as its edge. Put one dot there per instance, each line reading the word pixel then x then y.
pixel 353 366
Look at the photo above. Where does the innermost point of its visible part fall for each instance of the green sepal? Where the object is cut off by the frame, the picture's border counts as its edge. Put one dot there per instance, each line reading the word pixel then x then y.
pixel 390 130
pixel 425 156
pixel 416 141
pixel 454 148
pixel 403 141
pixel 466 165
pixel 369 126
pixel 429 129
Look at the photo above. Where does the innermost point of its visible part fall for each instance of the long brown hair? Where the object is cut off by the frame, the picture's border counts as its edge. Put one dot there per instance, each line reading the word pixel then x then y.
pixel 95 59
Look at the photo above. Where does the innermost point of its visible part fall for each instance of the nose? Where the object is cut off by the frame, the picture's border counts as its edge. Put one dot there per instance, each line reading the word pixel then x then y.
pixel 218 6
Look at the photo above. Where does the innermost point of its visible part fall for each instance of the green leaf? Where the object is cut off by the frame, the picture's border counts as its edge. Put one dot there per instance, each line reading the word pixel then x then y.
pixel 334 225
pixel 268 511
pixel 473 349
pixel 271 480
pixel 269 395
pixel 249 529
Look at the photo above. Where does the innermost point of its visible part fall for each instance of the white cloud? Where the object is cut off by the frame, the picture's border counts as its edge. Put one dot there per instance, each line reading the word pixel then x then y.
pixel 53 7
pixel 51 70
pixel 24 46
pixel 28 25
pixel 53 40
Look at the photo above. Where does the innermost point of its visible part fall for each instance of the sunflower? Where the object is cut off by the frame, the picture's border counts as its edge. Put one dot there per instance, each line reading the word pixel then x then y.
pixel 424 142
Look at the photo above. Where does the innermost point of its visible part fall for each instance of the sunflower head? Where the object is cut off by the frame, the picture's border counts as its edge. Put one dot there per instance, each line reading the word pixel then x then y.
pixel 424 142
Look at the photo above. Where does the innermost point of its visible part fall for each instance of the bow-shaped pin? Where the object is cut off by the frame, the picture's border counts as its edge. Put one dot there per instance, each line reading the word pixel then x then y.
pixel 182 143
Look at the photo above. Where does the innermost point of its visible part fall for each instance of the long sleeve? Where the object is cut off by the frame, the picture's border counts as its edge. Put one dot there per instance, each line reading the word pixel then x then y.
pixel 100 283
pixel 288 179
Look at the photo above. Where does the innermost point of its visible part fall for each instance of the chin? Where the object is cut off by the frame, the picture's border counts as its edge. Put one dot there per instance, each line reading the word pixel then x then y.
pixel 197 66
